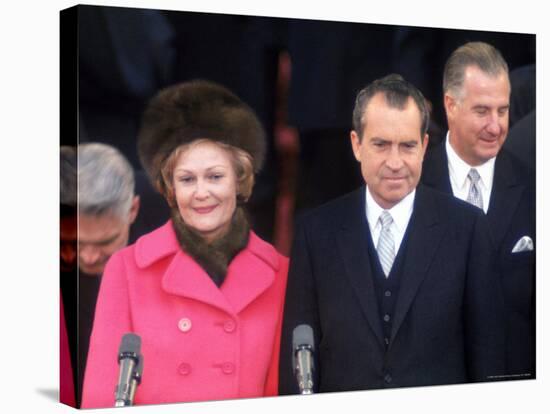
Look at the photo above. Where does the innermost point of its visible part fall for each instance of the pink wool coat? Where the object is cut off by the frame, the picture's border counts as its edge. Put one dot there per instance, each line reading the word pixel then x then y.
pixel 199 342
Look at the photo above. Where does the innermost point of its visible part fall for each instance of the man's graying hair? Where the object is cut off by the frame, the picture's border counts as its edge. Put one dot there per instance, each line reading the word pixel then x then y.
pixel 105 181
pixel 397 92
pixel 482 55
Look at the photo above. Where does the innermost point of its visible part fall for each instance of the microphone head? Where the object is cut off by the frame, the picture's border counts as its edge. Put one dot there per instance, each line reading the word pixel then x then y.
pixel 130 345
pixel 302 336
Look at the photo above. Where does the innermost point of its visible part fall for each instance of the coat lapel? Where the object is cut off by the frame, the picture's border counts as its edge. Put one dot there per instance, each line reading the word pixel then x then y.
pixel 505 197
pixel 250 273
pixel 424 236
pixel 353 247
pixel 184 277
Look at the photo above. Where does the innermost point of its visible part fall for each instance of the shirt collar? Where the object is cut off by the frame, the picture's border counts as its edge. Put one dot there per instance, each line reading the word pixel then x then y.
pixel 401 212
pixel 459 169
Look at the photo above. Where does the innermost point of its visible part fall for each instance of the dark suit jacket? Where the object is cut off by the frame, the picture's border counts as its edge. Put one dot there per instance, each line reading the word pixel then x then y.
pixel 521 140
pixel 446 327
pixel 523 98
pixel 511 215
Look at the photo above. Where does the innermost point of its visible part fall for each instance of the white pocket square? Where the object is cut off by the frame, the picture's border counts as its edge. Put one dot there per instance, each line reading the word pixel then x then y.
pixel 523 245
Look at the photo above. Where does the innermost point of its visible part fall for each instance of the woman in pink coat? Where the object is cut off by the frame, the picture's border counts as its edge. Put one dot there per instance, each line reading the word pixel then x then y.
pixel 203 292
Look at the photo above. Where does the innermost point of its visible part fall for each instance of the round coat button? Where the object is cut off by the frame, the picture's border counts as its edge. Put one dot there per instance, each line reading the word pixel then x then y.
pixel 228 368
pixel 387 318
pixel 184 324
pixel 184 369
pixel 388 378
pixel 229 326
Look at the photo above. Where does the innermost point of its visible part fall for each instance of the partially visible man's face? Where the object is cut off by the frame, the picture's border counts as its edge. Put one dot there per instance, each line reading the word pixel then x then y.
pixel 101 236
pixel 478 118
pixel 391 150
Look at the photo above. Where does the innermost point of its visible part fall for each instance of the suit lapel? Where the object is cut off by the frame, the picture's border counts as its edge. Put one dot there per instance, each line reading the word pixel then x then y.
pixel 505 194
pixel 435 170
pixel 352 240
pixel 424 236
pixel 505 197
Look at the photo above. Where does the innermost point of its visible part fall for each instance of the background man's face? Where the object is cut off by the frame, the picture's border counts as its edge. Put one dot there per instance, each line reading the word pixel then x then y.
pixel 391 150
pixel 478 118
pixel 98 238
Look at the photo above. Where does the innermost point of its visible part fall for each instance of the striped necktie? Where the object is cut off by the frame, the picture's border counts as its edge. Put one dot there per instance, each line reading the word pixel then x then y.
pixel 474 195
pixel 386 246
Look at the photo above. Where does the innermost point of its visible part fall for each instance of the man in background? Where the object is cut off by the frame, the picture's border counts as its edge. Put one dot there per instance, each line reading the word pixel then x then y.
pixel 471 164
pixel 93 227
pixel 68 275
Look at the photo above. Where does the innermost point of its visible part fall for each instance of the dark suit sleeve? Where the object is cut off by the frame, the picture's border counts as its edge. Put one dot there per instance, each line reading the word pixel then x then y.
pixel 484 309
pixel 300 308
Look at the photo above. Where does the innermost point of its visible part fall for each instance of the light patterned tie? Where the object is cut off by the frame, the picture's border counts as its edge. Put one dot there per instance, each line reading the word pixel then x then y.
pixel 386 246
pixel 474 195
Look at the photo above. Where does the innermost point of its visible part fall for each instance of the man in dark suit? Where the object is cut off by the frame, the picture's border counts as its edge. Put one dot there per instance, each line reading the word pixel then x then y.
pixel 110 195
pixel 396 281
pixel 521 140
pixel 471 165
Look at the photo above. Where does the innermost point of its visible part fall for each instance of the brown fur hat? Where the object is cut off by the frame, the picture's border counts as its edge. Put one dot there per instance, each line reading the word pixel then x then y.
pixel 197 109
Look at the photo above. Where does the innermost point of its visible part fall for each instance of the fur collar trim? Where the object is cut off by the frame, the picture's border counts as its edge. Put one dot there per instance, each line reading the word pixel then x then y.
pixel 213 257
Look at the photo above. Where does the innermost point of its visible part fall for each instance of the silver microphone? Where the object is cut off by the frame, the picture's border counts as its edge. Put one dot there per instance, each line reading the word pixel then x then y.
pixel 303 348
pixel 131 369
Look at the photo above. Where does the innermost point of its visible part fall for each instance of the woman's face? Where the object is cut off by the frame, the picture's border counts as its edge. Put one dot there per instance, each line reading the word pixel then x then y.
pixel 205 187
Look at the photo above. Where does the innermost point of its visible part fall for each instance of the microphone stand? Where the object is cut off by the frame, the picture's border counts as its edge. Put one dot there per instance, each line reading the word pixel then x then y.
pixel 304 369
pixel 136 379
